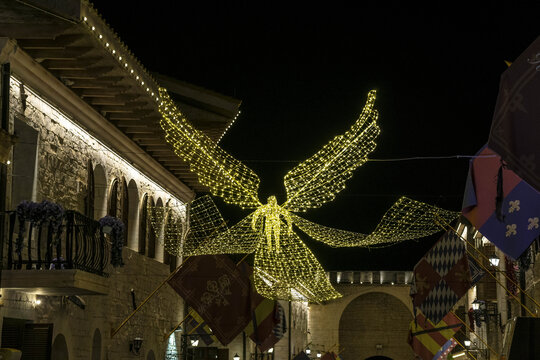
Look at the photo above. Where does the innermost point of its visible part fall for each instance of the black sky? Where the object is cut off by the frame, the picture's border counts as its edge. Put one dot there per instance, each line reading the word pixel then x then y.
pixel 302 71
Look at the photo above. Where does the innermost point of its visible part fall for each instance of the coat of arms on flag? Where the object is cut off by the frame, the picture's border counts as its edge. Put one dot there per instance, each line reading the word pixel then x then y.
pixel 441 277
pixel 517 224
pixel 427 339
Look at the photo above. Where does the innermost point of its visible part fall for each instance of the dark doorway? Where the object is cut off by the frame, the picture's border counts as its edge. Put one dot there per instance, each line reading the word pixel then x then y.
pixel 207 353
pixel 34 340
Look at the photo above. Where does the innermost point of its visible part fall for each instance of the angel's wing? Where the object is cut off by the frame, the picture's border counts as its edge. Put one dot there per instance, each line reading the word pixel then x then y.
pixel 210 235
pixel 407 219
pixel 293 273
pixel 318 179
pixel 239 239
pixel 224 175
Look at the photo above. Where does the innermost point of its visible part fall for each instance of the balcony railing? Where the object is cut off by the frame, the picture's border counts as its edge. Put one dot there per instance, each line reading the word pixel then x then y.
pixel 77 244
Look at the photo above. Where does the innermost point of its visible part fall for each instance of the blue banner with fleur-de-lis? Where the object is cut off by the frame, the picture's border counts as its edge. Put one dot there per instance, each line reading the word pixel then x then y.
pixel 518 223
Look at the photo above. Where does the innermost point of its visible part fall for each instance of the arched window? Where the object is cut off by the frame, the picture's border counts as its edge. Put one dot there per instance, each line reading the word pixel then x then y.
pixel 113 199
pixel 166 257
pixel 143 225
pixel 152 234
pixel 90 192
pixel 100 192
pixel 96 345
pixel 172 265
pixel 133 215
pixel 124 208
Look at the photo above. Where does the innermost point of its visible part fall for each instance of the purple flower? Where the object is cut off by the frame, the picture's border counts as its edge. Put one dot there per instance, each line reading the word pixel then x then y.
pixel 117 234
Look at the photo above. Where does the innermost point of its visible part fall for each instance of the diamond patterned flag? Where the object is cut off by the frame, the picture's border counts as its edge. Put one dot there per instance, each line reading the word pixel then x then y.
pixel 441 277
pixel 219 292
pixel 427 339
pixel 515 126
pixel 476 271
pixel 520 223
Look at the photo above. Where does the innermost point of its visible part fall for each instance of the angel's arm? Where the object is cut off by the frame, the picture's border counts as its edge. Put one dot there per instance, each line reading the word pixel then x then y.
pixel 318 179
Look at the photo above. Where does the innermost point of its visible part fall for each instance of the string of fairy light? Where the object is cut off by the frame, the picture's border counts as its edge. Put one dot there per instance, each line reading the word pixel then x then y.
pixel 284 265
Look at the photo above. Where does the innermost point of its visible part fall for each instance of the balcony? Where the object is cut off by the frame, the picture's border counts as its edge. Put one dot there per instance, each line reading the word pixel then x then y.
pixel 67 260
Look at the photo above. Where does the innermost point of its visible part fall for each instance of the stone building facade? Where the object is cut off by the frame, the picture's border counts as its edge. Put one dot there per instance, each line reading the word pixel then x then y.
pixel 62 155
pixel 84 112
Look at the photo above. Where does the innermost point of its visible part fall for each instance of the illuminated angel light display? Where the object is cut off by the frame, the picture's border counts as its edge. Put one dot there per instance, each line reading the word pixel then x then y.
pixel 285 268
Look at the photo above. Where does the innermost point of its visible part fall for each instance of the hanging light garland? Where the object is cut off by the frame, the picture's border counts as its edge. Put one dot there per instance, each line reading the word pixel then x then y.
pixel 284 267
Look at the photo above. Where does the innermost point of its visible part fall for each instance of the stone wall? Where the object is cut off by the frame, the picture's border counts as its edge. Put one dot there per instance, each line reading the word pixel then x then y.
pixel 106 312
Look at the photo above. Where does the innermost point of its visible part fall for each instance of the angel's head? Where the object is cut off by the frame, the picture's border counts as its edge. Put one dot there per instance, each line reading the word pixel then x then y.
pixel 272 200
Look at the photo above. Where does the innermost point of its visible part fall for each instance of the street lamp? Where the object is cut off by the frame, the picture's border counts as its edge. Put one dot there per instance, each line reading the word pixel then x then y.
pixel 319 354
pixel 308 350
pixel 271 350
pixel 236 356
pixel 494 260
pixel 467 343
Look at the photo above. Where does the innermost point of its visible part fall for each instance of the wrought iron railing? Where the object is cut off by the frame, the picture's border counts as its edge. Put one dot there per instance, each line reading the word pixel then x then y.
pixel 78 243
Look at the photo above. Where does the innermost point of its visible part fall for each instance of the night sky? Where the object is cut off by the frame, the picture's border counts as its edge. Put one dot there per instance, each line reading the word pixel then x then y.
pixel 303 71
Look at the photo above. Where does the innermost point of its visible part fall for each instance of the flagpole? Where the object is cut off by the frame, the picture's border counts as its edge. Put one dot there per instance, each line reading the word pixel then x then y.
pixel 486 258
pixel 176 327
pixel 489 272
pixel 195 328
pixel 466 351
pixel 290 330
pixel 114 331
pixel 478 336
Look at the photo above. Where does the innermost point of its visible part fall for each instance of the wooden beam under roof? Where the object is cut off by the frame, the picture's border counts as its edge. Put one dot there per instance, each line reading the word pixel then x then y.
pixel 71 64
pixel 148 141
pixel 102 82
pixel 139 122
pixel 110 91
pixel 71 52
pixel 59 42
pixel 88 73
pixel 128 107
pixel 139 130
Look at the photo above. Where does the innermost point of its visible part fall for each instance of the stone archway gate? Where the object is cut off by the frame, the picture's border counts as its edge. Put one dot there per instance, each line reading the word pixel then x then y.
pixel 371 319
